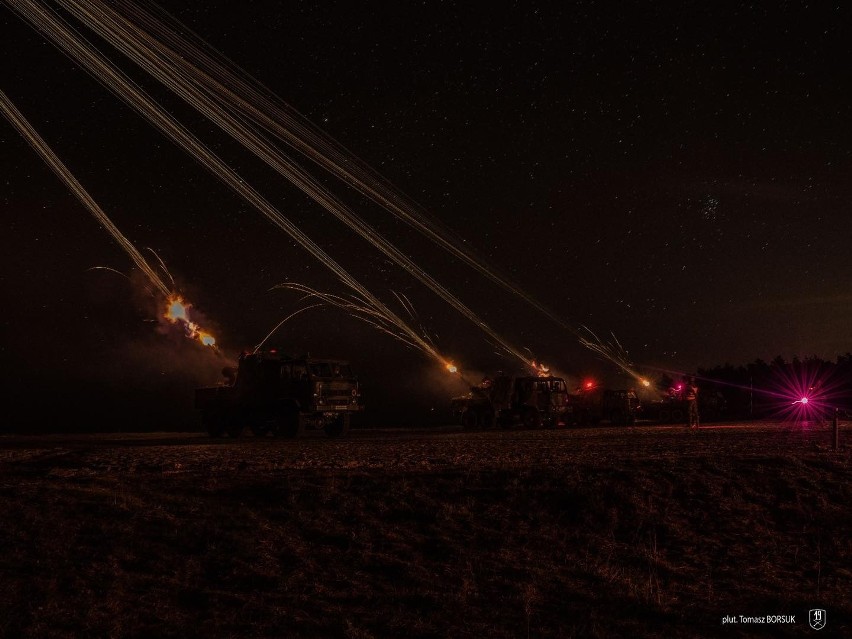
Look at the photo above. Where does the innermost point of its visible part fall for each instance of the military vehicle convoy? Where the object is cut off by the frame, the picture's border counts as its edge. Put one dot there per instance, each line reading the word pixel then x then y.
pixel 504 401
pixel 593 404
pixel 271 392
pixel 532 402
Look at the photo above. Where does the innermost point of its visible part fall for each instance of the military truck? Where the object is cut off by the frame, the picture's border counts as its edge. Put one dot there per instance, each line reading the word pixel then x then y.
pixel 593 404
pixel 271 392
pixel 511 401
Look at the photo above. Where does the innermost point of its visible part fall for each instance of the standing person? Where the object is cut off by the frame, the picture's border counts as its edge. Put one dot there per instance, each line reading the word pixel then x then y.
pixel 691 395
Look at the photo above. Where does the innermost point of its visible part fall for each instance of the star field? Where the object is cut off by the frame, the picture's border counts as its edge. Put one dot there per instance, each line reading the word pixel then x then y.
pixel 676 177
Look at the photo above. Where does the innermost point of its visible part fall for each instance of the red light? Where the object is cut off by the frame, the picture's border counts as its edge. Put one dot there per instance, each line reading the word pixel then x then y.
pixel 274 350
pixel 589 384
pixel 804 400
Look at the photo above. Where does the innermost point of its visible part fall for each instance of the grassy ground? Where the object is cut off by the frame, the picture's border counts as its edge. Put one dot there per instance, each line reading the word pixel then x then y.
pixel 595 533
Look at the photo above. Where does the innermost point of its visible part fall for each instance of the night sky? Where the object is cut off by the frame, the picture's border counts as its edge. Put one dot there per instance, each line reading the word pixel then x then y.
pixel 679 178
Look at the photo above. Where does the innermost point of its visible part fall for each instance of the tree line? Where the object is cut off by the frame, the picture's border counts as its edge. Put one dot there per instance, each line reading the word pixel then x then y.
pixel 763 389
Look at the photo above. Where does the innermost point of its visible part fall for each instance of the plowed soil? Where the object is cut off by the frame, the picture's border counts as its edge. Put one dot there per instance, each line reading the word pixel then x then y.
pixel 599 532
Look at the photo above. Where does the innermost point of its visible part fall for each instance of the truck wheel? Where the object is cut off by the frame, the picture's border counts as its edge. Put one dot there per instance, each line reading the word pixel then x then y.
pixel 489 420
pixel 665 416
pixel 532 418
pixel 290 425
pixel 213 424
pixel 617 417
pixel 259 425
pixel 339 427
pixel 470 420
pixel 234 426
pixel 677 416
pixel 259 428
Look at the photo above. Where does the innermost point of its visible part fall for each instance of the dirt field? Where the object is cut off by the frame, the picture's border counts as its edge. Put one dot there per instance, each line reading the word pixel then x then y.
pixel 600 532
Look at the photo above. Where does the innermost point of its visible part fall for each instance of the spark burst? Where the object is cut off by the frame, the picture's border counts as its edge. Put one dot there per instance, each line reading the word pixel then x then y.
pixel 611 350
pixel 540 369
pixel 178 310
pixel 376 316
pixel 178 313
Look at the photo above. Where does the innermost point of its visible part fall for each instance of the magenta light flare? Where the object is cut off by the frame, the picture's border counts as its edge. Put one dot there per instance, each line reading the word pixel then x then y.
pixel 806 393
